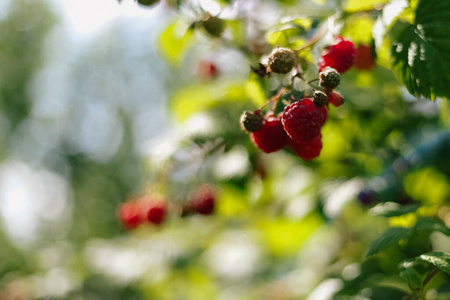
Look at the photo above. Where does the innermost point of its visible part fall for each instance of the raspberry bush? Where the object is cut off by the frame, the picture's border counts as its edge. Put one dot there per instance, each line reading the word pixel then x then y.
pixel 328 190
pixel 307 155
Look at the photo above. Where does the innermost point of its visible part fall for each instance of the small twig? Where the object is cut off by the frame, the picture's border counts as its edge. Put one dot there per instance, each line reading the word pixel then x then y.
pixel 313 41
pixel 275 98
pixel 430 276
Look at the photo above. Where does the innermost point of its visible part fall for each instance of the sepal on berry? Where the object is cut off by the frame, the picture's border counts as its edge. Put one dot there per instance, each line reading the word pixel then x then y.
pixel 329 78
pixel 251 121
pixel 320 99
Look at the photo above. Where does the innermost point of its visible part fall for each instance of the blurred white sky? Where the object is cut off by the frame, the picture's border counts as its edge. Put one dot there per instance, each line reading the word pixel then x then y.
pixel 89 16
pixel 27 193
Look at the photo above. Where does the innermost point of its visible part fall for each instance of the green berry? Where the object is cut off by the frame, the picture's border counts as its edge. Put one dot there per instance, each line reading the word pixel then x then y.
pixel 147 2
pixel 320 99
pixel 329 78
pixel 251 121
pixel 214 26
pixel 282 60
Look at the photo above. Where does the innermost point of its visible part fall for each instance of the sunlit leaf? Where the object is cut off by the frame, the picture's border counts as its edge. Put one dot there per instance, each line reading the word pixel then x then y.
pixel 305 23
pixel 231 202
pixel 320 2
pixel 417 185
pixel 358 5
pixel 284 33
pixel 197 98
pixel 255 92
pixel 440 260
pixel 359 29
pixel 285 237
pixel 175 40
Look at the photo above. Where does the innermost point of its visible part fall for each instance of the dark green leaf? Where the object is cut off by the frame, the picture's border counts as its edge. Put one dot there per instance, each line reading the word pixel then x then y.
pixel 412 277
pixel 433 224
pixel 421 52
pixel 386 292
pixel 392 209
pixel 440 260
pixel 390 237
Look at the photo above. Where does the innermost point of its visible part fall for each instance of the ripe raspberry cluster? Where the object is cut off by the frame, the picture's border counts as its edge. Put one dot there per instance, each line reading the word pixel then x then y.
pixel 136 212
pixel 299 125
pixel 364 58
pixel 155 211
pixel 339 56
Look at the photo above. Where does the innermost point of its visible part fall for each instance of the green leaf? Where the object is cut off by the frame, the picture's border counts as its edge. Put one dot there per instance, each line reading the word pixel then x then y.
pixel 412 277
pixel 421 52
pixel 440 260
pixel 175 40
pixel 283 34
pixel 433 224
pixel 198 98
pixel 358 5
pixel 388 238
pixel 392 209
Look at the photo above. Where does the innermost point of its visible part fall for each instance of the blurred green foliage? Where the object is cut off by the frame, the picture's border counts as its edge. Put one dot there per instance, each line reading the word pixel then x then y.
pixel 283 228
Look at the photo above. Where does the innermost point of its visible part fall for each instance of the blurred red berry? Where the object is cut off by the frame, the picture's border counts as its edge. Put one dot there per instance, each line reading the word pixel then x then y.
pixel 364 59
pixel 156 212
pixel 130 215
pixel 207 70
pixel 308 150
pixel 203 201
pixel 336 99
pixel 271 137
pixel 302 120
pixel 339 56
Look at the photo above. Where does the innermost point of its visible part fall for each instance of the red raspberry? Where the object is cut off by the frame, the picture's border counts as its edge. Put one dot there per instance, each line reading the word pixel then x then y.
pixel 302 120
pixel 130 215
pixel 308 150
pixel 339 56
pixel 156 212
pixel 336 99
pixel 364 58
pixel 271 137
pixel 207 70
pixel 203 201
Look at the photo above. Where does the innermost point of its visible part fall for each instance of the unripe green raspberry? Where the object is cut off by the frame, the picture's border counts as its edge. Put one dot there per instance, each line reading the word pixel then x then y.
pixel 251 121
pixel 282 60
pixel 147 2
pixel 329 78
pixel 320 99
pixel 214 26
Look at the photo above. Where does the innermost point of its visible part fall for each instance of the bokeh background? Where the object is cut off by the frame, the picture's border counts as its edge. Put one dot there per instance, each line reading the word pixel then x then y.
pixel 94 106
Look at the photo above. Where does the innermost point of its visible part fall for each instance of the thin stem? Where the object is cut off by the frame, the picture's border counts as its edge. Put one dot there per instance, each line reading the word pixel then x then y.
pixel 313 41
pixel 275 98
pixel 430 276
